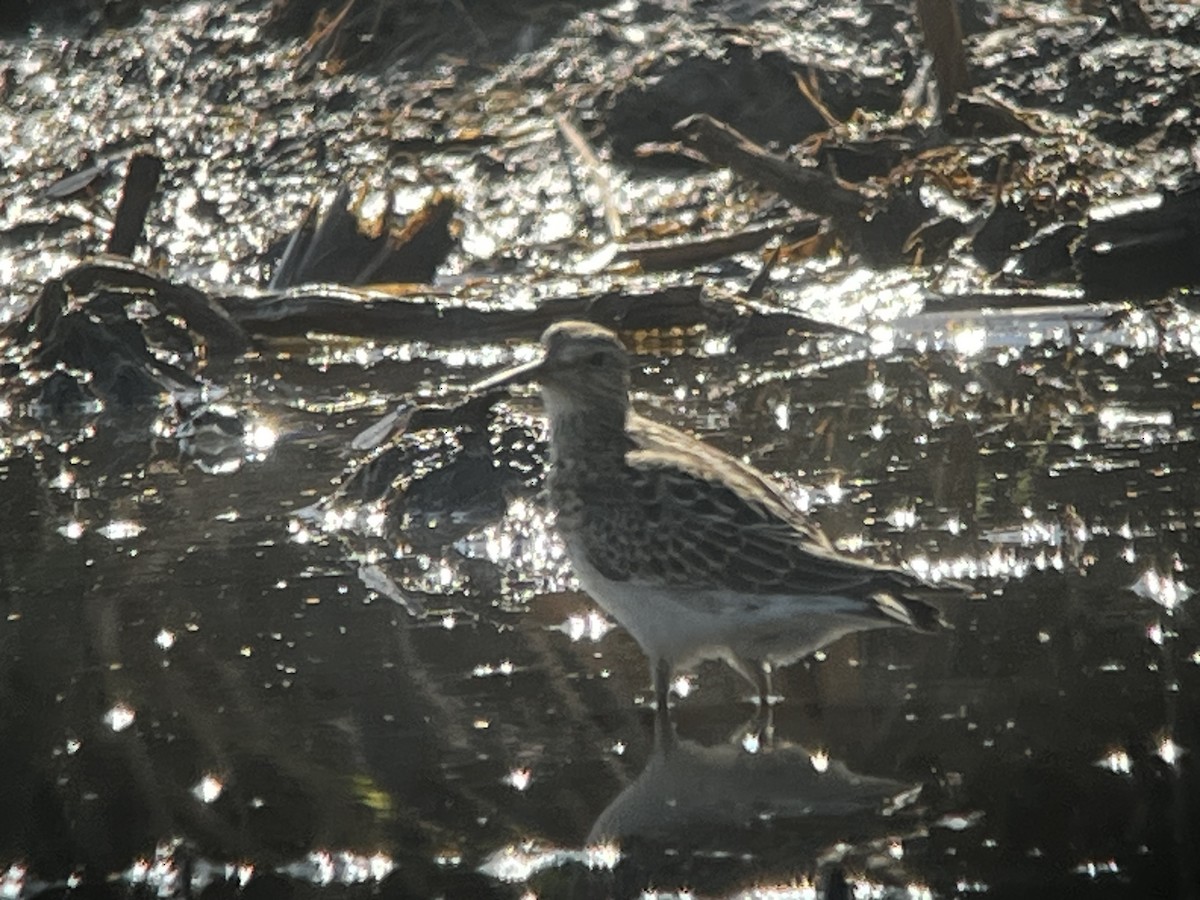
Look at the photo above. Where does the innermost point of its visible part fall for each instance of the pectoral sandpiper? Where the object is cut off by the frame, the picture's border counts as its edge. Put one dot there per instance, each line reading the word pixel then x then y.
pixel 695 553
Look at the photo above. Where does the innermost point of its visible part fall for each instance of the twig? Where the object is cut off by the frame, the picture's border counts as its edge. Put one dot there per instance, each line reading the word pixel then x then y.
pixel 595 168
pixel 322 40
pixel 810 90
pixel 759 284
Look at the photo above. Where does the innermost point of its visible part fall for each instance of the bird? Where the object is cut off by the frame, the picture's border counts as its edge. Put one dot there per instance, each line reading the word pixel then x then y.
pixel 695 553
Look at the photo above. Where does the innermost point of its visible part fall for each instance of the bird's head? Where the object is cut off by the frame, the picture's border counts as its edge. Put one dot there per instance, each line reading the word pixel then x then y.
pixel 584 368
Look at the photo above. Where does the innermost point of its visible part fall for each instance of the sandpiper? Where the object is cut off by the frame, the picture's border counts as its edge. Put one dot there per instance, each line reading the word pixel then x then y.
pixel 695 553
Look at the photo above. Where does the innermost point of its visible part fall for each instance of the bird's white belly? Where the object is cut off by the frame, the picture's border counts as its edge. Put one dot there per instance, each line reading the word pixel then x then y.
pixel 685 626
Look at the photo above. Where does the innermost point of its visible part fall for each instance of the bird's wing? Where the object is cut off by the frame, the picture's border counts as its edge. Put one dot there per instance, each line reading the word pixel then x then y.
pixel 694 516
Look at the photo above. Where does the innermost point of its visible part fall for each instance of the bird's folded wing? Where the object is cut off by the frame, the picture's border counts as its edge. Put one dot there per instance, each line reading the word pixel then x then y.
pixel 694 516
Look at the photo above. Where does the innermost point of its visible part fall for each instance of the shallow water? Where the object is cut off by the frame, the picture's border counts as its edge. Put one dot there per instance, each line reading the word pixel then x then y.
pixel 186 658
pixel 214 669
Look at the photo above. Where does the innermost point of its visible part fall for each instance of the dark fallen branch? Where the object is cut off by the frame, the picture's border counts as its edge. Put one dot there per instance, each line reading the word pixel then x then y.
pixel 880 229
pixel 887 224
pixel 803 187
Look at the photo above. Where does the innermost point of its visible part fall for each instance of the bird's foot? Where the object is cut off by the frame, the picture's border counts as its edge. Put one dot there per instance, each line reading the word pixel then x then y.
pixel 755 736
pixel 758 732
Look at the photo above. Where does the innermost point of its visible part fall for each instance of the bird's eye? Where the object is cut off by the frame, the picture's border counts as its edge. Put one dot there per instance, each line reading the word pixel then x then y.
pixel 596 360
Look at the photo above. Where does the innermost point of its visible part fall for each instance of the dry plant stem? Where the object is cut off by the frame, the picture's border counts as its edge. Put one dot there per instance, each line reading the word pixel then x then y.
pixel 596 171
pixel 664 257
pixel 320 44
pixel 944 41
pixel 810 89
pixel 759 284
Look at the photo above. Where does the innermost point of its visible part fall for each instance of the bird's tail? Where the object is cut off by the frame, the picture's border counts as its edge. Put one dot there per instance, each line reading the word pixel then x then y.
pixel 910 611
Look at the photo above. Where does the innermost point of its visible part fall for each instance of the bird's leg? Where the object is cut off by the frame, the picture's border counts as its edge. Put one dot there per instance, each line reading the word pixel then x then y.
pixel 664 728
pixel 764 716
pixel 762 681
pixel 758 673
pixel 662 685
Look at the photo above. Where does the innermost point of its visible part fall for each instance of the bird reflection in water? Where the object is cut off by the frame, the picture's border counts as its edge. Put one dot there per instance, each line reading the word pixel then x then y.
pixel 687 788
pixel 800 816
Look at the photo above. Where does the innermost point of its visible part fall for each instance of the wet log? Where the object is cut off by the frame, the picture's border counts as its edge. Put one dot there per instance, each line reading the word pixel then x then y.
pixel 114 277
pixel 337 310
pixel 222 336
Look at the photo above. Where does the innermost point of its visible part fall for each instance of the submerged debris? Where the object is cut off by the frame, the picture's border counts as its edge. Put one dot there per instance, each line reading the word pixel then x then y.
pixel 134 337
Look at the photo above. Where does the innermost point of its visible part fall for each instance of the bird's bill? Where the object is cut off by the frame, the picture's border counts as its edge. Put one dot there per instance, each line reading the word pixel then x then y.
pixel 522 374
